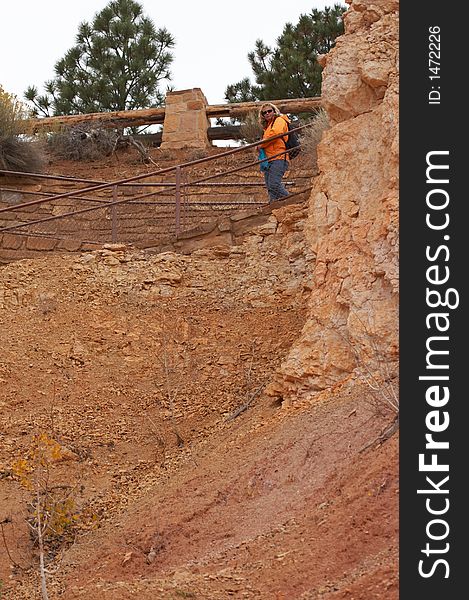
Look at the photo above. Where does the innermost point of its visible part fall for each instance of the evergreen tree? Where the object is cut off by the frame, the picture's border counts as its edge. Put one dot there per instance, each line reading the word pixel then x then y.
pixel 118 62
pixel 291 69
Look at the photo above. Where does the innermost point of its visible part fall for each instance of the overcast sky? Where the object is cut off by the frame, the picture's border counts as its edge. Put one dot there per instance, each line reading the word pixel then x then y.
pixel 212 37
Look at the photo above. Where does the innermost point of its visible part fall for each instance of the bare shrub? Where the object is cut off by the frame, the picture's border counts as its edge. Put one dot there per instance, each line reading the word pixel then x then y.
pixel 375 363
pixel 250 390
pixel 17 153
pixel 86 141
pixel 251 130
pixel 311 136
pixel 376 366
pixel 20 155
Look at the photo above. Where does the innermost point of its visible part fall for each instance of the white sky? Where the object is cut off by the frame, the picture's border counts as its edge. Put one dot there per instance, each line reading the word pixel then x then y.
pixel 213 38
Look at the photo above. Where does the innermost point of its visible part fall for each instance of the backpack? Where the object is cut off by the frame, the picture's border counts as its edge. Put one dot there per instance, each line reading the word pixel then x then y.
pixel 293 141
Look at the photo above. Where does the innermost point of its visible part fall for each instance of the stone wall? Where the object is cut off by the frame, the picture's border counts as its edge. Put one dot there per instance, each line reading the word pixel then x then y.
pixel 353 214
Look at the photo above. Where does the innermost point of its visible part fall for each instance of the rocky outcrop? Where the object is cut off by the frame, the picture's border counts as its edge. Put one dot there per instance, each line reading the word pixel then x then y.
pixel 353 213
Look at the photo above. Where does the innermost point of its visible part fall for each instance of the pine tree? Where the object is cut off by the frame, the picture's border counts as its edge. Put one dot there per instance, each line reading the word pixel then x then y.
pixel 291 69
pixel 118 63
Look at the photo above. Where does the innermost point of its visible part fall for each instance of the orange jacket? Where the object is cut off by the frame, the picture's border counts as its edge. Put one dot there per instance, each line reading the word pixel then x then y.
pixel 278 125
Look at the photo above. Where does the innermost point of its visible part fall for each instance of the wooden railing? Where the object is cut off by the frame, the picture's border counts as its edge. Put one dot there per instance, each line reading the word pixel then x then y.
pixel 155 116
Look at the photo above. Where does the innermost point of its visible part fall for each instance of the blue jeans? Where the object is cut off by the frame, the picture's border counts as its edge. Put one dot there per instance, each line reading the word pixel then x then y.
pixel 273 179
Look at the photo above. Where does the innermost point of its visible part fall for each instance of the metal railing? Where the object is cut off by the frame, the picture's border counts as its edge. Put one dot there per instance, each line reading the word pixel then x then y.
pixel 173 200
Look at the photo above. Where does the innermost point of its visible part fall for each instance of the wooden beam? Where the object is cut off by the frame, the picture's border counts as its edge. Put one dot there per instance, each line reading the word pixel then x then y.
pixel 155 116
pixel 290 105
pixel 222 132
pixel 117 119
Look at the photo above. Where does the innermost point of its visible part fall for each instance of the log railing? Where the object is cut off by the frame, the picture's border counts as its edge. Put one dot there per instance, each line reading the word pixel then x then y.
pixel 155 116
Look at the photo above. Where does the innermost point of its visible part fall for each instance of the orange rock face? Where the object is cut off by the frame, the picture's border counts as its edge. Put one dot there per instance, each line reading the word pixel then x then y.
pixel 353 213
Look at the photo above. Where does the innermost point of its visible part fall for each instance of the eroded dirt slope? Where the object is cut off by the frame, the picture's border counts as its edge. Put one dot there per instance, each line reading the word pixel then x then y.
pixel 149 370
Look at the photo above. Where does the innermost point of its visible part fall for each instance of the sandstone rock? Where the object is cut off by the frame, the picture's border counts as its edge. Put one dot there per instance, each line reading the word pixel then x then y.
pixel 353 212
pixel 117 247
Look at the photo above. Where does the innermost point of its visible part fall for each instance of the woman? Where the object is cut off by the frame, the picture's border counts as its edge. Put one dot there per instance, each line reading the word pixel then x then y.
pixel 274 123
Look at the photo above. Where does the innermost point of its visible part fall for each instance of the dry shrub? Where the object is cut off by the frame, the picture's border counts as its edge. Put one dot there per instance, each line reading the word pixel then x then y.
pixel 86 141
pixel 17 153
pixel 20 155
pixel 311 136
pixel 251 130
pixel 12 112
pixel 53 512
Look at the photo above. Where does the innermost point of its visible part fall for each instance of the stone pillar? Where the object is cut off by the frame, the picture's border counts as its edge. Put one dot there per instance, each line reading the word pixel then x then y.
pixel 185 122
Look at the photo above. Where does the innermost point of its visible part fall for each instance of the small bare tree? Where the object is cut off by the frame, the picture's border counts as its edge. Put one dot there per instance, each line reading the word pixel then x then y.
pixel 53 515
pixel 375 369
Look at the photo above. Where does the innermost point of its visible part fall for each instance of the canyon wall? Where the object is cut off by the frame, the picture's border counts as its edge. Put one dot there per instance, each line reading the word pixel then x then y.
pixel 352 226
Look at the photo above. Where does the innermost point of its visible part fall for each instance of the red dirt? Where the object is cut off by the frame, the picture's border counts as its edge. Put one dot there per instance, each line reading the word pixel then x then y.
pixel 138 373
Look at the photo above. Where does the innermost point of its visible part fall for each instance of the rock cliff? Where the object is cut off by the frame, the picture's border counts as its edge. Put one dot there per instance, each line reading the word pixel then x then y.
pixel 352 226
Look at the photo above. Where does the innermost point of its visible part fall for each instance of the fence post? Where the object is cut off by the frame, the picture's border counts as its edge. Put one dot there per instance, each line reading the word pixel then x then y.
pixel 178 199
pixel 114 216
